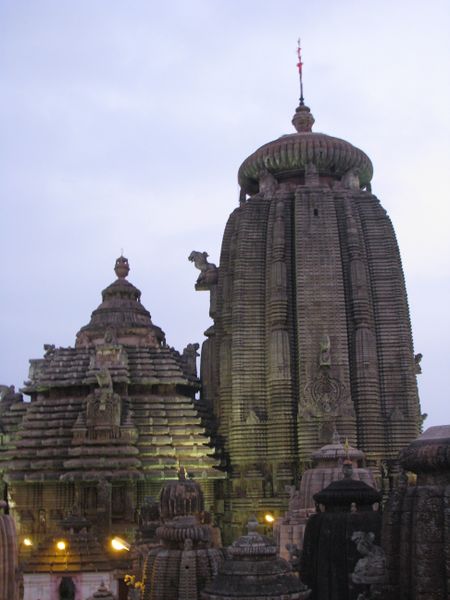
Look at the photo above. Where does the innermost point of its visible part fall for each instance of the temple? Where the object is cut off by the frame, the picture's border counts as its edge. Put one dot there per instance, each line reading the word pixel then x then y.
pixel 311 326
pixel 108 422
pixel 115 451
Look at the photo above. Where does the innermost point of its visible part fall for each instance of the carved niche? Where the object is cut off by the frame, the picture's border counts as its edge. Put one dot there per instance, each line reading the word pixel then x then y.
pixel 103 406
pixel 324 395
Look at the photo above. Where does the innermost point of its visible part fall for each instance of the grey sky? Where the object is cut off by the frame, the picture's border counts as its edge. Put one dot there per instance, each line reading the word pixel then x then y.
pixel 124 124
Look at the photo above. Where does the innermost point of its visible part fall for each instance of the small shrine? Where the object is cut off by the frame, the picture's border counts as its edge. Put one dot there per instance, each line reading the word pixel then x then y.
pixel 328 462
pixel 186 559
pixel 253 571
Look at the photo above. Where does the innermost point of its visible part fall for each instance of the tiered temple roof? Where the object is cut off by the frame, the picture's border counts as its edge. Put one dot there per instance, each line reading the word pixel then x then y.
pixel 109 420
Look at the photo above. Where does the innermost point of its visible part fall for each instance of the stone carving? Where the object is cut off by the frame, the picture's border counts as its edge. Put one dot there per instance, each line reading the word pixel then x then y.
pixel 417 365
pixel 350 180
pixel 110 336
pixel 49 350
pixel 8 395
pixel 311 174
pixel 325 395
pixel 372 568
pixel 189 358
pixel 103 406
pixel 369 571
pixel 267 182
pixel 208 271
pixel 325 351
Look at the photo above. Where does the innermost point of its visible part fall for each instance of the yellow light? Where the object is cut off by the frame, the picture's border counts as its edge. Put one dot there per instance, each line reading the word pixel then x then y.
pixel 119 544
pixel 269 518
pixel 61 545
pixel 27 542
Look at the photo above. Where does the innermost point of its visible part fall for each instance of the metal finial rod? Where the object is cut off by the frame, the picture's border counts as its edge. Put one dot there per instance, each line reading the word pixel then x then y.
pixel 300 69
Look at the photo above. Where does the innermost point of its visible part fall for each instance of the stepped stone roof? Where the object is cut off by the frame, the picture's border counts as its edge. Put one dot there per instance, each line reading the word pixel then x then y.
pixel 290 154
pixel 254 571
pixel 120 405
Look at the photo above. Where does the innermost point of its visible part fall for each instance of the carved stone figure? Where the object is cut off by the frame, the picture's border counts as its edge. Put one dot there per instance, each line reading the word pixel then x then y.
pixel 267 182
pixel 417 365
pixel 49 350
pixel 208 271
pixel 8 396
pixel 350 180
pixel 372 568
pixel 325 351
pixel 103 405
pixel 189 358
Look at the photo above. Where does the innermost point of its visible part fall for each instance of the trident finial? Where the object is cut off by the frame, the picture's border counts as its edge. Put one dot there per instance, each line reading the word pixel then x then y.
pixel 300 69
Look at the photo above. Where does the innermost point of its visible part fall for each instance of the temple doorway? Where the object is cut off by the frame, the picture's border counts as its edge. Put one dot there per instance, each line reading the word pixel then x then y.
pixel 67 589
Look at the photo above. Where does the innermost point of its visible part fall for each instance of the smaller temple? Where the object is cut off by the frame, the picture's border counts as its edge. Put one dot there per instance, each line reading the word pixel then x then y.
pixel 253 571
pixel 328 462
pixel 330 550
pixel 107 423
pixel 186 559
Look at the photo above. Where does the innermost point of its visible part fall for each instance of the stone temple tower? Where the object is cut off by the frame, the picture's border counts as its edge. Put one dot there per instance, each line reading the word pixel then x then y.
pixel 311 326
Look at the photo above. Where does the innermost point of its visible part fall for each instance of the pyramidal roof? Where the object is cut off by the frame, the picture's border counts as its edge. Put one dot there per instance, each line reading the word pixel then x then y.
pixel 121 317
pixel 120 405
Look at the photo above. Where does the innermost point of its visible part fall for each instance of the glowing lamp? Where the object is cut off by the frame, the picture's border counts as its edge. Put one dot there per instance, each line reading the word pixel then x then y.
pixel 61 545
pixel 27 542
pixel 269 518
pixel 119 544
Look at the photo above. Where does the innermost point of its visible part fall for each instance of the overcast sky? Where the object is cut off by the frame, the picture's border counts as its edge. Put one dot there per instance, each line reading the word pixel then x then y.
pixel 123 125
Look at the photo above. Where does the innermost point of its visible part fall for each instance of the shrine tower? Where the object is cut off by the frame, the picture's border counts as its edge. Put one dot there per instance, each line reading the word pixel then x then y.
pixel 311 326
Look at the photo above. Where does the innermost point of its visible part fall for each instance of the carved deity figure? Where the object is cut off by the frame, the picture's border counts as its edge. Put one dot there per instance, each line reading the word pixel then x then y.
pixel 325 351
pixel 351 179
pixel 189 358
pixel 267 182
pixel 103 405
pixel 208 271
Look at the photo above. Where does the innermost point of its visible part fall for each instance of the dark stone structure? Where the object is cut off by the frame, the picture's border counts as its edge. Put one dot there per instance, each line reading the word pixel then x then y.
pixel 253 571
pixel 416 523
pixel 328 462
pixel 186 560
pixel 109 422
pixel 9 562
pixel 311 325
pixel 330 553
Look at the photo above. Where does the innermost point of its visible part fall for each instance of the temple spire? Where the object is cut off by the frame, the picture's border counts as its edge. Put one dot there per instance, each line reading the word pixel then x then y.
pixel 300 71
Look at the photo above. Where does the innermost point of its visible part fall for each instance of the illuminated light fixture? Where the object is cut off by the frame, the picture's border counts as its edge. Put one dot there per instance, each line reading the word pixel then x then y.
pixel 119 544
pixel 27 542
pixel 269 518
pixel 61 545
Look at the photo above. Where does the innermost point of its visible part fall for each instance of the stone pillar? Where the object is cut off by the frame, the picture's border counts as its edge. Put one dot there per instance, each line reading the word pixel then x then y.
pixel 9 566
pixel 416 523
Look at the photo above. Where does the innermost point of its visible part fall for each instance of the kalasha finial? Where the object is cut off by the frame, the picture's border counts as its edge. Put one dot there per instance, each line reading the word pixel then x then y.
pixel 122 268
